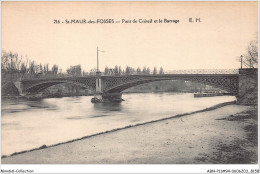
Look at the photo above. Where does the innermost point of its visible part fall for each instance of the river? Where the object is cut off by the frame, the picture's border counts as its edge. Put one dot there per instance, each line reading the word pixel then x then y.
pixel 31 124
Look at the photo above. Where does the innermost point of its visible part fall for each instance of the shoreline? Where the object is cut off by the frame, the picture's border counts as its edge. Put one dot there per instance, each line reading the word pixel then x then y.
pixel 122 128
pixel 222 134
pixel 7 97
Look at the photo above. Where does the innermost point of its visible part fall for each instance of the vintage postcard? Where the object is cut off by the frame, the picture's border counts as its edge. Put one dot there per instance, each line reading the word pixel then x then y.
pixel 129 83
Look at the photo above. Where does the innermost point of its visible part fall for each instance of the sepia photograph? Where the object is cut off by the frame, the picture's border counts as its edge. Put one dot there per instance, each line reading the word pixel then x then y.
pixel 120 82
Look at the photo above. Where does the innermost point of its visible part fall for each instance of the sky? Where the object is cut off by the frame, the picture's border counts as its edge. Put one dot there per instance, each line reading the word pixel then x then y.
pixel 216 42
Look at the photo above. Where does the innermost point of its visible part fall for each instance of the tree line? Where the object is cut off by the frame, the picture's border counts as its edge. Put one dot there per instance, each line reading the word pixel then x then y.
pixel 117 70
pixel 250 58
pixel 14 66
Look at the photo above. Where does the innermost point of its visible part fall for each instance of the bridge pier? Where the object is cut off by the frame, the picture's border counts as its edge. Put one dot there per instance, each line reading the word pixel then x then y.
pixel 112 97
pixel 98 83
pixel 101 96
pixel 248 86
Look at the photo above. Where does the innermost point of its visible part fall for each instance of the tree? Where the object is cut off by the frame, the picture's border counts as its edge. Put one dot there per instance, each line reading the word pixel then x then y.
pixel 120 70
pixel 32 68
pixel 74 70
pixel 155 70
pixel 148 71
pixel 127 70
pixel 23 69
pixel 78 70
pixel 116 71
pixel 161 71
pixel 106 70
pixel 46 68
pixel 138 71
pixel 40 68
pixel 11 63
pixel 55 69
pixel 144 70
pixel 250 58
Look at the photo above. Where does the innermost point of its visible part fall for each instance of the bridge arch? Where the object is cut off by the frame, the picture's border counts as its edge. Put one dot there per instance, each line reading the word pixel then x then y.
pixel 38 87
pixel 228 83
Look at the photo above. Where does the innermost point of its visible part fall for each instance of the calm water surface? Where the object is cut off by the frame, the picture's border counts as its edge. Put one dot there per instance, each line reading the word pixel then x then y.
pixel 31 124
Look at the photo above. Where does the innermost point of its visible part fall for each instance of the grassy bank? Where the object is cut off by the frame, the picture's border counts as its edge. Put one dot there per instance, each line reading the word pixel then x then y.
pixel 238 151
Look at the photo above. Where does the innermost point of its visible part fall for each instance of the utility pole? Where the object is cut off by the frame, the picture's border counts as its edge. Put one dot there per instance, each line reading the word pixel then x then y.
pixel 98 81
pixel 97 59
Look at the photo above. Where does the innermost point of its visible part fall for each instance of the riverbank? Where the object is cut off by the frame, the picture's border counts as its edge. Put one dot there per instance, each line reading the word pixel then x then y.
pixel 226 135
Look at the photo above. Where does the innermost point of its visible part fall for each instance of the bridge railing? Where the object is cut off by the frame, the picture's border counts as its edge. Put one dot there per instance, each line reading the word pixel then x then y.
pixel 194 71
pixel 204 71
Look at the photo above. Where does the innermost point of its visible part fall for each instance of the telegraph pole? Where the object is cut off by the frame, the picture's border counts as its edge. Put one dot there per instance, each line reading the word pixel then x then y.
pixel 98 78
pixel 97 59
